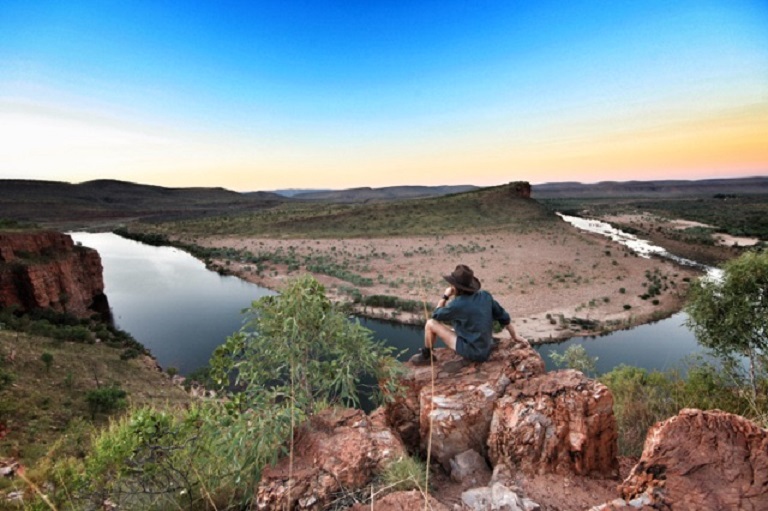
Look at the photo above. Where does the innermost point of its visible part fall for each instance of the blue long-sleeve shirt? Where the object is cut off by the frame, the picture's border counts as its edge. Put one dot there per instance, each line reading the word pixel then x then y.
pixel 472 317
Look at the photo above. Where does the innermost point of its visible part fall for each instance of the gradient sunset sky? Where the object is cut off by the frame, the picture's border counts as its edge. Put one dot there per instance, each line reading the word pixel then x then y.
pixel 260 95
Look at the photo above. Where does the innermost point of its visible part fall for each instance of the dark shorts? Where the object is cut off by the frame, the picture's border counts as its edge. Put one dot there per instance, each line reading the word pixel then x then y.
pixel 468 351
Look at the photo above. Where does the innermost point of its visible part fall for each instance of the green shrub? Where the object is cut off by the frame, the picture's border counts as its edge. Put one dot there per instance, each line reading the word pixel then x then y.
pixel 150 459
pixel 47 359
pixel 129 354
pixel 405 474
pixel 6 378
pixel 296 355
pixel 105 400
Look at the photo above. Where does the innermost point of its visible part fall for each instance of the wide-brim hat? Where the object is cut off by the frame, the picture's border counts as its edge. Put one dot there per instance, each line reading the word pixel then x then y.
pixel 463 278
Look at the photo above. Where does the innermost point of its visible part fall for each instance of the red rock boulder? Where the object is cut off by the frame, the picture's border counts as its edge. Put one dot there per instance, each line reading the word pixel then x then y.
pixel 339 449
pixel 560 422
pixel 458 413
pixel 702 460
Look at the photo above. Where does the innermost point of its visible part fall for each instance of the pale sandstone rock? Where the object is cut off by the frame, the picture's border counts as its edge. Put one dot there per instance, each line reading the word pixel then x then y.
pixel 459 412
pixel 560 422
pixel 496 497
pixel 702 460
pixel 338 449
pixel 470 468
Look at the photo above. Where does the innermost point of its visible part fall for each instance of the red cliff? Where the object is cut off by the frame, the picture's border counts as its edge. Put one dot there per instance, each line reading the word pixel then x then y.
pixel 45 269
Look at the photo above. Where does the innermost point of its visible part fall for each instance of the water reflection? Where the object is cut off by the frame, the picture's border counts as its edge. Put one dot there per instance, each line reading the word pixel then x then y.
pixel 167 299
pixel 641 247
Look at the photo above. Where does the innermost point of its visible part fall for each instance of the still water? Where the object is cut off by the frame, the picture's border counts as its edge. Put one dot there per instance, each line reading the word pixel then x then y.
pixel 168 301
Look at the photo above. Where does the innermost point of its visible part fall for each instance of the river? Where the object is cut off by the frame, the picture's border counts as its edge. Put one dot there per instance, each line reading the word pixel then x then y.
pixel 181 311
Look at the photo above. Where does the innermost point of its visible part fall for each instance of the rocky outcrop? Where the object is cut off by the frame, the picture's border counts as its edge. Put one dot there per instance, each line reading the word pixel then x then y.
pixel 45 269
pixel 560 422
pixel 458 412
pixel 520 189
pixel 702 460
pixel 339 449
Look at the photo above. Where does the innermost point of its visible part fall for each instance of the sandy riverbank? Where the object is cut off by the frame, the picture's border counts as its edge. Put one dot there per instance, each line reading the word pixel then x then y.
pixel 543 279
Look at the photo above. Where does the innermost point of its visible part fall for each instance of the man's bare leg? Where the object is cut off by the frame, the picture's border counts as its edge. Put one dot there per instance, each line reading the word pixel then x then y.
pixel 434 329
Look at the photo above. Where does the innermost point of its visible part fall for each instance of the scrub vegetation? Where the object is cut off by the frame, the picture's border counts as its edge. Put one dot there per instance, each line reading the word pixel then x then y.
pixel 296 356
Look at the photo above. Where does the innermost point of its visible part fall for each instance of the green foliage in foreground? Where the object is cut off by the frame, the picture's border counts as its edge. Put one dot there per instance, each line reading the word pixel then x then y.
pixel 295 356
pixel 147 460
pixel 300 351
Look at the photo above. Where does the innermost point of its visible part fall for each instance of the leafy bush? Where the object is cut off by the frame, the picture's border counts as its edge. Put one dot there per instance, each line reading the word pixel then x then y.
pixel 150 459
pixel 296 355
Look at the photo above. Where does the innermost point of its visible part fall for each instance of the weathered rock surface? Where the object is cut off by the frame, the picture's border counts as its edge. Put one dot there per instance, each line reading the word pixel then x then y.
pixel 701 460
pixel 459 412
pixel 496 497
pixel 44 269
pixel 338 449
pixel 560 422
pixel 401 501
pixel 470 468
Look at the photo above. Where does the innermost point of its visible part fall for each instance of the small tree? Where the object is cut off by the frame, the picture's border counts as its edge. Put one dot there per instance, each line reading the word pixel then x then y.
pixel 575 357
pixel 47 359
pixel 295 356
pixel 730 316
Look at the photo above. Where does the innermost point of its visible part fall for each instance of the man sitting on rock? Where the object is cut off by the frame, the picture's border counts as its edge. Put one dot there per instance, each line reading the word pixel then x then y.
pixel 471 314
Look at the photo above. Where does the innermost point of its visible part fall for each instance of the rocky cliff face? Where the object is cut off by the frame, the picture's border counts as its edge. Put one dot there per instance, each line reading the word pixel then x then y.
pixel 45 269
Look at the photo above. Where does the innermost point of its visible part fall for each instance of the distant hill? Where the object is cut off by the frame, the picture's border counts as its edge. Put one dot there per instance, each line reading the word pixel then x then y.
pixel 52 202
pixel 506 207
pixel 654 189
pixel 292 192
pixel 387 193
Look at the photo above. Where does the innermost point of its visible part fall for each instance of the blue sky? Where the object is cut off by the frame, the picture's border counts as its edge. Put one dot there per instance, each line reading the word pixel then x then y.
pixel 264 95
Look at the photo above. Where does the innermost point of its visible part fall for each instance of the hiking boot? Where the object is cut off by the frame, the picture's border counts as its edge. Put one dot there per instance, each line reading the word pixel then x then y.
pixel 423 358
pixel 454 366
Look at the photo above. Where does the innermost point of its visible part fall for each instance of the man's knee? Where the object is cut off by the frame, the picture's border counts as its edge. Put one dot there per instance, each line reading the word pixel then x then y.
pixel 429 326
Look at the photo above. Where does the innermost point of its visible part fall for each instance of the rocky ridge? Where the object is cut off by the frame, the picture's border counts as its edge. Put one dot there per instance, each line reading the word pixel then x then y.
pixel 514 438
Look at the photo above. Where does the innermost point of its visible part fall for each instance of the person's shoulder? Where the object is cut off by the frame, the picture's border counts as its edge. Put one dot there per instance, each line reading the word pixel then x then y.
pixel 482 294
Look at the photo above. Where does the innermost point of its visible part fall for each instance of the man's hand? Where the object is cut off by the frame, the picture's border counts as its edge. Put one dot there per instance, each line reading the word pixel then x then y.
pixel 449 291
pixel 516 337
